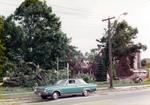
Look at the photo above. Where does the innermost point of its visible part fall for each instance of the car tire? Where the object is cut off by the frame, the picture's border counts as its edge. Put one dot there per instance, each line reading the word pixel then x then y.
pixel 55 95
pixel 44 97
pixel 85 93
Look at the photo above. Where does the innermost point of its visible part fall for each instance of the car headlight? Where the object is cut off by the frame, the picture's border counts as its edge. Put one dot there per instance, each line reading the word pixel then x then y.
pixel 35 90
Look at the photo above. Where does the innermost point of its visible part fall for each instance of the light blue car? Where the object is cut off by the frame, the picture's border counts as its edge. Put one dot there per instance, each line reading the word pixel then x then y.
pixel 66 87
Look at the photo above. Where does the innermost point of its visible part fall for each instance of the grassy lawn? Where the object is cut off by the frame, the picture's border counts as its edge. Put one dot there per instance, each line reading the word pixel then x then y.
pixel 11 90
pixel 22 91
pixel 147 82
pixel 117 83
pixel 1 92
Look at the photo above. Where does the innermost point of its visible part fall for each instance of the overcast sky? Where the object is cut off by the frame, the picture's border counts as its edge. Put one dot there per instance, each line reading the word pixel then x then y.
pixel 81 19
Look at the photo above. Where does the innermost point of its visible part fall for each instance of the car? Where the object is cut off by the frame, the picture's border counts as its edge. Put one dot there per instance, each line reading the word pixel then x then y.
pixel 65 87
pixel 140 75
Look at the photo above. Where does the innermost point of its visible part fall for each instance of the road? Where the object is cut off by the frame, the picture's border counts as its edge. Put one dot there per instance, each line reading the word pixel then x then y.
pixel 128 97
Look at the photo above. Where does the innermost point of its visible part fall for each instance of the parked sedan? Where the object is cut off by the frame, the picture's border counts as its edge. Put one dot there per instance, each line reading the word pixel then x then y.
pixel 65 87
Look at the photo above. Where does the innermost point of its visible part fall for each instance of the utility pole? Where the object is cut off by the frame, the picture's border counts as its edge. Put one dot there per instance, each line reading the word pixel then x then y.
pixel 110 71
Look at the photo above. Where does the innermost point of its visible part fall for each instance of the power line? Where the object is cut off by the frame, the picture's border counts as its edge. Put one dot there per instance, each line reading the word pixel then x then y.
pixel 59 6
pixel 70 11
pixel 74 9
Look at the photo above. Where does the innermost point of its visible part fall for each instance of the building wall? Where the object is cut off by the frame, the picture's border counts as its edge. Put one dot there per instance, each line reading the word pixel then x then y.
pixel 137 60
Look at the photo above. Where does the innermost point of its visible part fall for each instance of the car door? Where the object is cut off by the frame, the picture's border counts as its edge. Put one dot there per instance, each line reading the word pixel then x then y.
pixel 71 87
pixel 79 87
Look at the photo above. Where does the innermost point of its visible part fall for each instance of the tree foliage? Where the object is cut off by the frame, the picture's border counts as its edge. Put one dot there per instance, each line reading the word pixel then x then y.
pixel 91 56
pixel 2 46
pixel 74 55
pixel 123 46
pixel 122 39
pixel 34 35
pixel 33 39
pixel 143 63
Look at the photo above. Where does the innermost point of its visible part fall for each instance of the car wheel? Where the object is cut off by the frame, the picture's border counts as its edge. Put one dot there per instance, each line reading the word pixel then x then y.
pixel 55 95
pixel 44 97
pixel 85 93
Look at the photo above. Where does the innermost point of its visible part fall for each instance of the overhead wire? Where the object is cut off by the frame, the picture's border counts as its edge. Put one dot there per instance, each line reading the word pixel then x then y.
pixel 64 9
pixel 67 11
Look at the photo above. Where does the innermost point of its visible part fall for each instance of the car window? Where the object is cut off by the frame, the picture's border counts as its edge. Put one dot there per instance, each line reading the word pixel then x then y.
pixel 78 82
pixel 61 82
pixel 71 82
pixel 82 81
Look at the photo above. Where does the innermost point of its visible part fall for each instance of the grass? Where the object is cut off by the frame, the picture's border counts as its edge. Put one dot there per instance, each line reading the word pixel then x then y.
pixel 147 82
pixel 18 92
pixel 117 83
pixel 10 90
pixel 1 92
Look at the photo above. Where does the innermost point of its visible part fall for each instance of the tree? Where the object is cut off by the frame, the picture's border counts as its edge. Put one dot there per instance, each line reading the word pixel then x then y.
pixel 143 63
pixel 74 57
pixel 92 54
pixel 2 47
pixel 34 35
pixel 123 46
pixel 123 40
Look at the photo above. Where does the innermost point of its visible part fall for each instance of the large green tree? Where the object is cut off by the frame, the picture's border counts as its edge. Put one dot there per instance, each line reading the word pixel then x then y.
pixel 2 46
pixel 122 40
pixel 122 36
pixel 35 35
pixel 123 46
pixel 92 54
pixel 74 55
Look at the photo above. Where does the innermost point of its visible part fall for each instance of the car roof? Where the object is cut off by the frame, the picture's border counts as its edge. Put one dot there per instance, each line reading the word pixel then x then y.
pixel 72 79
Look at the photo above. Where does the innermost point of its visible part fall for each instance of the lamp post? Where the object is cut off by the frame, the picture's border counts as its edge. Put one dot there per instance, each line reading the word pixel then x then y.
pixel 110 71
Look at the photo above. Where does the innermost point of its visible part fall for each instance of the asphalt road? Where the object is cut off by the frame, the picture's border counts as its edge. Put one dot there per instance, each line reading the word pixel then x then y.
pixel 128 97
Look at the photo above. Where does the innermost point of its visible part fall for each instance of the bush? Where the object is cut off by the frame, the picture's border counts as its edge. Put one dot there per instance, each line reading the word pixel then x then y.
pixel 86 77
pixel 54 76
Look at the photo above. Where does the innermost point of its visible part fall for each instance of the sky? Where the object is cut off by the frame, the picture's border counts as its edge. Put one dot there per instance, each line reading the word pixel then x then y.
pixel 81 19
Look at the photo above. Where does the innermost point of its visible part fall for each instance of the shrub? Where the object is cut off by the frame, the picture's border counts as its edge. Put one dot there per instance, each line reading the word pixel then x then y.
pixel 86 77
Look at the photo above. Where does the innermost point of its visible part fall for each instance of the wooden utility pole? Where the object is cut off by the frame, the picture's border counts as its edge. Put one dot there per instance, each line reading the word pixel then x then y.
pixel 110 71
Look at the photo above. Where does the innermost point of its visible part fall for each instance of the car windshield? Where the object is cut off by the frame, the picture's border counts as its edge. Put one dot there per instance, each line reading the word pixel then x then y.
pixel 61 82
